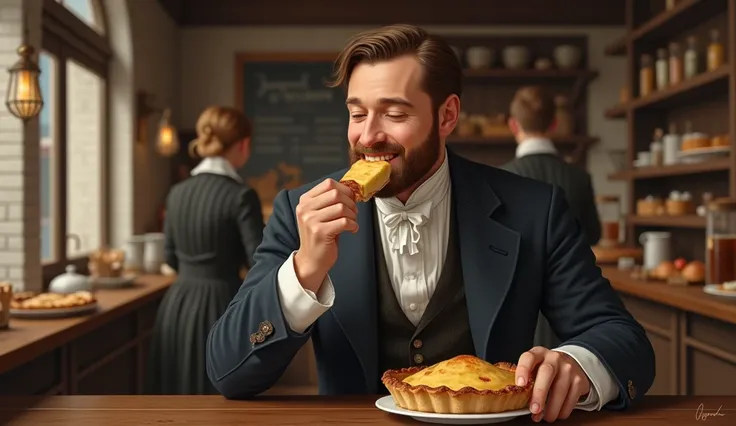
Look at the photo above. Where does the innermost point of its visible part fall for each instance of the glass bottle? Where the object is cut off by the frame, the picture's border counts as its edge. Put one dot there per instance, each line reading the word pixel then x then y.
pixel 675 64
pixel 720 243
pixel 656 149
pixel 609 210
pixel 662 69
pixel 715 51
pixel 646 76
pixel 691 58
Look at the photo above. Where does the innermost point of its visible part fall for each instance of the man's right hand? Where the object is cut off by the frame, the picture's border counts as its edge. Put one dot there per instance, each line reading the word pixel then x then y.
pixel 323 213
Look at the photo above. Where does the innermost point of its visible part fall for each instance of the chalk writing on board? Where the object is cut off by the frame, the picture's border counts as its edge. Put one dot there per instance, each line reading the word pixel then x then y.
pixel 300 125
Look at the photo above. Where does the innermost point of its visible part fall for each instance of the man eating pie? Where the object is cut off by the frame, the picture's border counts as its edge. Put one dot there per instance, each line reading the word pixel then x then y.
pixel 446 258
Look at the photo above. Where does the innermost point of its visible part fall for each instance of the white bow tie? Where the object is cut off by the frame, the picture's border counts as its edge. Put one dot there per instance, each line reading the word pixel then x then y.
pixel 403 227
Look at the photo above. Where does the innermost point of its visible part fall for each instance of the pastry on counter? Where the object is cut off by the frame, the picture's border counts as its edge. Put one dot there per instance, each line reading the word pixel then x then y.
pixel 106 263
pixel 663 271
pixel 720 141
pixel 650 206
pixel 31 300
pixel 679 204
pixel 729 286
pixel 495 126
pixel 694 272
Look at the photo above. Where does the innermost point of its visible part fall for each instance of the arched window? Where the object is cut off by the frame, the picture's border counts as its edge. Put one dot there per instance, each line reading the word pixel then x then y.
pixel 73 134
pixel 89 11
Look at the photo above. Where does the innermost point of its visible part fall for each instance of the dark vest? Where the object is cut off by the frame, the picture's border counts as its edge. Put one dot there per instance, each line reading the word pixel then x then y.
pixel 443 331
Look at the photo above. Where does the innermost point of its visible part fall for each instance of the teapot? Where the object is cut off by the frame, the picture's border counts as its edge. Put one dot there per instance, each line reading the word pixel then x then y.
pixel 70 282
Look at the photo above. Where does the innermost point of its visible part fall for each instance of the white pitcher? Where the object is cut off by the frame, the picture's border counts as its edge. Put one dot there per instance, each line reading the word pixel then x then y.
pixel 134 253
pixel 656 248
pixel 153 253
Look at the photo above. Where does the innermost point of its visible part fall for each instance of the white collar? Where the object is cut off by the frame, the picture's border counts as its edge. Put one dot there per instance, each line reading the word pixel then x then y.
pixel 217 166
pixel 433 189
pixel 535 145
pixel 403 222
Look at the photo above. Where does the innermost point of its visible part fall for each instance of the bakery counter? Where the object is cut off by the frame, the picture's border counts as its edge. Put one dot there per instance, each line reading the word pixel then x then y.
pixel 100 353
pixel 692 334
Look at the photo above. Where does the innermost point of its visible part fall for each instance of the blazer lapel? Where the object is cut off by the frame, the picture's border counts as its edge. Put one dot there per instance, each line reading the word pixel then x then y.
pixel 488 249
pixel 354 278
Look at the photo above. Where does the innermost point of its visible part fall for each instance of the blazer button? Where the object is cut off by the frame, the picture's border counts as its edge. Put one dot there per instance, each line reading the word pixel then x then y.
pixel 632 390
pixel 418 358
pixel 266 328
pixel 417 344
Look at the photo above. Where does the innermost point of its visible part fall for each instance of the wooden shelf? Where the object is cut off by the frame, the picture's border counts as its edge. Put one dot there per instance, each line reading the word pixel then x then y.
pixel 617 48
pixel 719 165
pixel 685 15
pixel 699 87
pixel 531 74
pixel 696 222
pixel 619 111
pixel 510 141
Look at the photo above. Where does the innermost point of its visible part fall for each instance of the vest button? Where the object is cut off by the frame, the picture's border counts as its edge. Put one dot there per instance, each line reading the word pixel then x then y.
pixel 418 358
pixel 417 344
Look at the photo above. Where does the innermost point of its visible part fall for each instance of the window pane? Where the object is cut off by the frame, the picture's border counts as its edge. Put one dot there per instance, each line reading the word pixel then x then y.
pixel 85 109
pixel 84 10
pixel 48 66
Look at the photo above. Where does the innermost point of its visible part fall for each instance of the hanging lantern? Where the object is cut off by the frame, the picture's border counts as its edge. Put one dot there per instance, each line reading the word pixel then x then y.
pixel 24 98
pixel 167 142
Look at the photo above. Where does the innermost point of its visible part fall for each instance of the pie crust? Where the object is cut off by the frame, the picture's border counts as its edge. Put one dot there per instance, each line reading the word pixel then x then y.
pixel 462 399
pixel 48 301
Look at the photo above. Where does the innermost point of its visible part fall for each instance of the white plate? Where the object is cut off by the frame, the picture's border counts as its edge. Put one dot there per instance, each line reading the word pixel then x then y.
pixel 53 312
pixel 113 282
pixel 388 405
pixel 716 290
pixel 702 154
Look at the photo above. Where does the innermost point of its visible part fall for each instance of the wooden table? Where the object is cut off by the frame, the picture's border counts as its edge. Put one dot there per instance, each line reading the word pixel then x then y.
pixel 305 410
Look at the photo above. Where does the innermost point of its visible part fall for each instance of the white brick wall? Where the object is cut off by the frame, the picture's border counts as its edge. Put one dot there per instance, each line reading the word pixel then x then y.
pixel 84 162
pixel 19 160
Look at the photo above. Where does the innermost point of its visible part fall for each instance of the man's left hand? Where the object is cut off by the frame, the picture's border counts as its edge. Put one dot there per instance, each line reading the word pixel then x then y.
pixel 559 384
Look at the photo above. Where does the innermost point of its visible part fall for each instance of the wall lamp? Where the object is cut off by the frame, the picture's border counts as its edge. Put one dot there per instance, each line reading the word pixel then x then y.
pixel 167 141
pixel 24 99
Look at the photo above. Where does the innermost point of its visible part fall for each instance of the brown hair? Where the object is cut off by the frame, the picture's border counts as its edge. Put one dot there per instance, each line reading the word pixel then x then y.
pixel 443 73
pixel 218 128
pixel 533 108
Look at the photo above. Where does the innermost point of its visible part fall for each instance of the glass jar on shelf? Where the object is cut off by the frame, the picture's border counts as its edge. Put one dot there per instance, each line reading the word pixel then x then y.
pixel 609 211
pixel 720 243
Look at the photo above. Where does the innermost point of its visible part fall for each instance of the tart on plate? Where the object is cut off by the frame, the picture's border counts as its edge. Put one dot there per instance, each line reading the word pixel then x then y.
pixel 461 385
pixel 38 301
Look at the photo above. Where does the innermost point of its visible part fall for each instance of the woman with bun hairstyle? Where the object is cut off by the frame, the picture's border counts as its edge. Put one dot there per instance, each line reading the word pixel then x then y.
pixel 213 225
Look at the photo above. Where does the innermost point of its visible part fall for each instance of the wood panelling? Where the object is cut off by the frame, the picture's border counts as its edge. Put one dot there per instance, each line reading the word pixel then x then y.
pixel 378 12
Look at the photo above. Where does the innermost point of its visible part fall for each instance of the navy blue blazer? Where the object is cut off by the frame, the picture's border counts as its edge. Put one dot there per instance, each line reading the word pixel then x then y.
pixel 522 252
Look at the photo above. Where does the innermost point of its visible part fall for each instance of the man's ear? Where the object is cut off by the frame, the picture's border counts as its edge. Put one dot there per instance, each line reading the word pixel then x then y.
pixel 449 115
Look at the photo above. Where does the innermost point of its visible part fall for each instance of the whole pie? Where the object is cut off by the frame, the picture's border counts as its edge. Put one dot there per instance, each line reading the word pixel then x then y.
pixel 31 300
pixel 461 385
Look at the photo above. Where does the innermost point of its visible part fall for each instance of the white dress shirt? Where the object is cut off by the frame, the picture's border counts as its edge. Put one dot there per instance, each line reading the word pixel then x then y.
pixel 415 251
pixel 535 146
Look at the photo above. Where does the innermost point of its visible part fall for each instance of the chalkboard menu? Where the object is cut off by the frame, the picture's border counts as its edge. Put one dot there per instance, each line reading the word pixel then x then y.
pixel 300 125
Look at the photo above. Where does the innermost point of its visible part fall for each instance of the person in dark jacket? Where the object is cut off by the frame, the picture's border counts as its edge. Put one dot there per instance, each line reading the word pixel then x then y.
pixel 532 117
pixel 213 225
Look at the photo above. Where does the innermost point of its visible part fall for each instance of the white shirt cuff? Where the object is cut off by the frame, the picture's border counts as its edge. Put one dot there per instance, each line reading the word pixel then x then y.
pixel 603 388
pixel 302 307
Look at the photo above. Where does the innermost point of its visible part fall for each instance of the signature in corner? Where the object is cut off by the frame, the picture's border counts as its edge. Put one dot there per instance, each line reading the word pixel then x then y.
pixel 701 414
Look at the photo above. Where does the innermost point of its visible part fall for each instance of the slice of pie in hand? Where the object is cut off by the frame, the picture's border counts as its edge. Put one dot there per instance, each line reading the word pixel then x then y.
pixel 461 385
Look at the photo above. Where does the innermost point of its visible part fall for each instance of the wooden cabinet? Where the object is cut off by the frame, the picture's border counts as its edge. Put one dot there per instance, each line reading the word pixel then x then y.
pixel 695 355
pixel 103 353
pixel 110 359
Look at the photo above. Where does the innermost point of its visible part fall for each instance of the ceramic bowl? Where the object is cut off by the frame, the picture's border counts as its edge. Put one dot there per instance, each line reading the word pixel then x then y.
pixel 567 56
pixel 479 57
pixel 516 57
